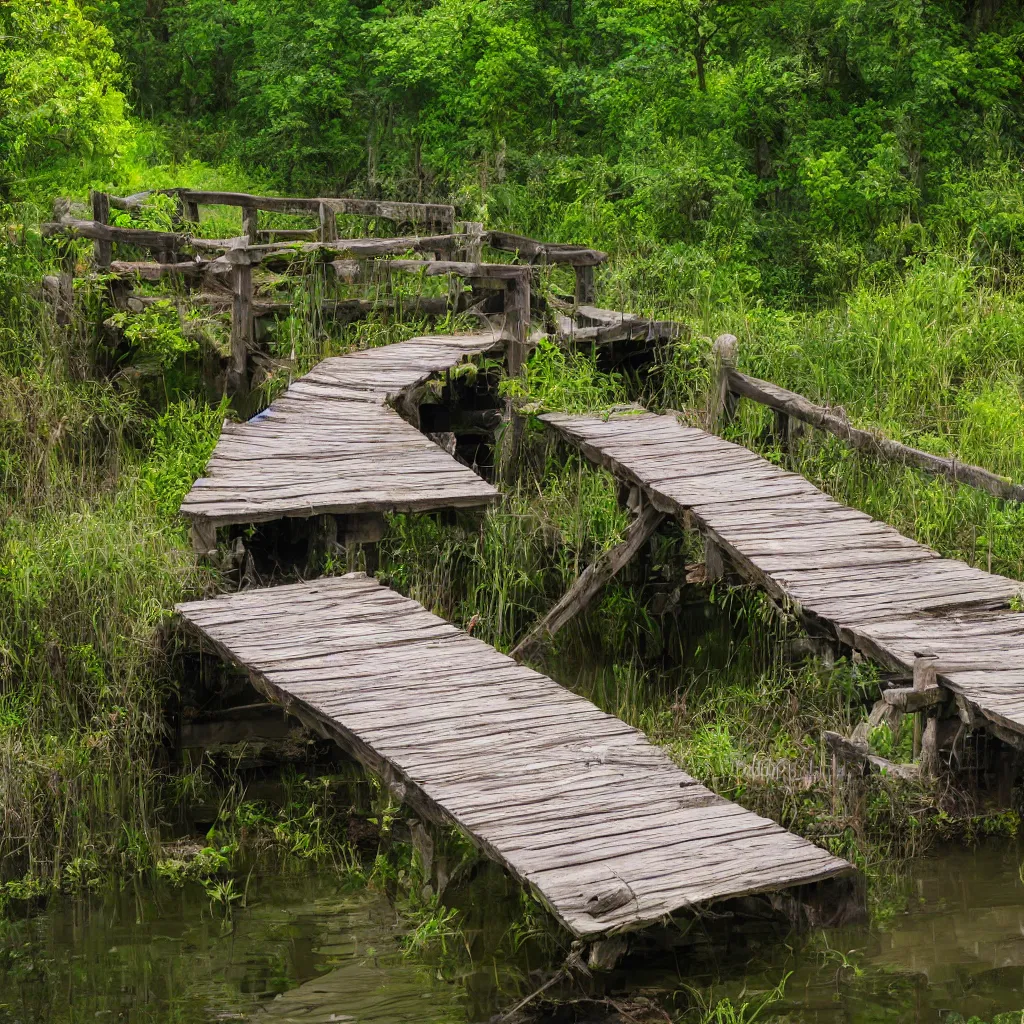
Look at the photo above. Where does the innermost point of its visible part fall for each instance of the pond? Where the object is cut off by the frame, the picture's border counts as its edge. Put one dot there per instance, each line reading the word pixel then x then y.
pixel 307 947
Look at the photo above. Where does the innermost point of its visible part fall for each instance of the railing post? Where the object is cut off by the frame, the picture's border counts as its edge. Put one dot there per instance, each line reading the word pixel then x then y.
pixel 250 223
pixel 191 208
pixel 241 328
pixel 102 251
pixel 586 291
pixel 473 244
pixel 517 320
pixel 517 325
pixel 722 399
pixel 328 223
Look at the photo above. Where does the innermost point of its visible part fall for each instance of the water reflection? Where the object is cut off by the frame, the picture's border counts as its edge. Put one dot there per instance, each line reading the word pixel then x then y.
pixel 953 947
pixel 306 949
pixel 171 957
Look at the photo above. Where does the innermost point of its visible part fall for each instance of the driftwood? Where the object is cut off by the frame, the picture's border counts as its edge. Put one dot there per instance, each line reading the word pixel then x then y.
pixel 792 404
pixel 590 582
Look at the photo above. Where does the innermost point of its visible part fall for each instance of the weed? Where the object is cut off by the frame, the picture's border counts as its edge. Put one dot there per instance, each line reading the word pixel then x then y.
pixel 435 930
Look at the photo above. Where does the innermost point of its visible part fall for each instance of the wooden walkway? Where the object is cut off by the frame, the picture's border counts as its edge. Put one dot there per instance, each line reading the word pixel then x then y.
pixel 870 586
pixel 600 824
pixel 331 444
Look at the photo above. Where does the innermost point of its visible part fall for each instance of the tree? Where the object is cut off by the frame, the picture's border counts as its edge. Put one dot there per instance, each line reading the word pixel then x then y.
pixel 59 90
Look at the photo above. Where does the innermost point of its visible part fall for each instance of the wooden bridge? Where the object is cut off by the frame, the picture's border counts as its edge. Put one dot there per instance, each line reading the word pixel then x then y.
pixel 332 445
pixel 600 825
pixel 843 572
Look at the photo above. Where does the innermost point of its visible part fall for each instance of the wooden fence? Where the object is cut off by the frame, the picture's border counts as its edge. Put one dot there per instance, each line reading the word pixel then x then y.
pixel 219 272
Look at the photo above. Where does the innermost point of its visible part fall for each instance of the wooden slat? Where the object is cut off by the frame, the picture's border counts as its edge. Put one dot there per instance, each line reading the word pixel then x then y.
pixel 332 445
pixel 881 592
pixel 576 804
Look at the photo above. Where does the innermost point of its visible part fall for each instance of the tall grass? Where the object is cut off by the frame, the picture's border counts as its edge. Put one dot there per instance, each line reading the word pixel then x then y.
pixel 90 560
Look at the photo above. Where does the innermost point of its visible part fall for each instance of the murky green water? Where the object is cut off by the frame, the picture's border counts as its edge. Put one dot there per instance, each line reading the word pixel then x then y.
pixel 953 947
pixel 305 948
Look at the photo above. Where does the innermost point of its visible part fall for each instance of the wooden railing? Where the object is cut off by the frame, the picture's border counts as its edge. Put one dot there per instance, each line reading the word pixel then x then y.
pixel 223 268
pixel 729 385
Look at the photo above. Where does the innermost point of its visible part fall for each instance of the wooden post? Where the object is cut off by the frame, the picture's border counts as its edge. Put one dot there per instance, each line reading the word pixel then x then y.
pixel 204 537
pixel 241 328
pixel 714 561
pixel 66 282
pixel 926 721
pixel 250 223
pixel 924 672
pixel 102 252
pixel 371 558
pixel 929 763
pixel 721 399
pixel 473 246
pixel 328 223
pixel 321 541
pixel 517 323
pixel 191 211
pixel 586 291
pixel 363 532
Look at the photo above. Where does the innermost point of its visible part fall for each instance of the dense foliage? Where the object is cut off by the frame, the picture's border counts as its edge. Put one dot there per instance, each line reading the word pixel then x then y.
pixel 59 98
pixel 799 142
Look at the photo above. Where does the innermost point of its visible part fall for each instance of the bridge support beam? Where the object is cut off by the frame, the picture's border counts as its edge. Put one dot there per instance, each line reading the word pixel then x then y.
pixel 591 581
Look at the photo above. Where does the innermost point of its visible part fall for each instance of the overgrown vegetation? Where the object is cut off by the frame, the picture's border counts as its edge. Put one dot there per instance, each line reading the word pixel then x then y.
pixel 836 182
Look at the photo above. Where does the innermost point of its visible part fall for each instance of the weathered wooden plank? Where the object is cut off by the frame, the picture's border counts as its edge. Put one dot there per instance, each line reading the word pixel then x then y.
pixel 331 446
pixel 546 252
pixel 435 214
pixel 879 591
pixel 581 808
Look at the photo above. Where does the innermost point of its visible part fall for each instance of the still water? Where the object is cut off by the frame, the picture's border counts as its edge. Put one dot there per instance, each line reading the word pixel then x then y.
pixel 306 948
